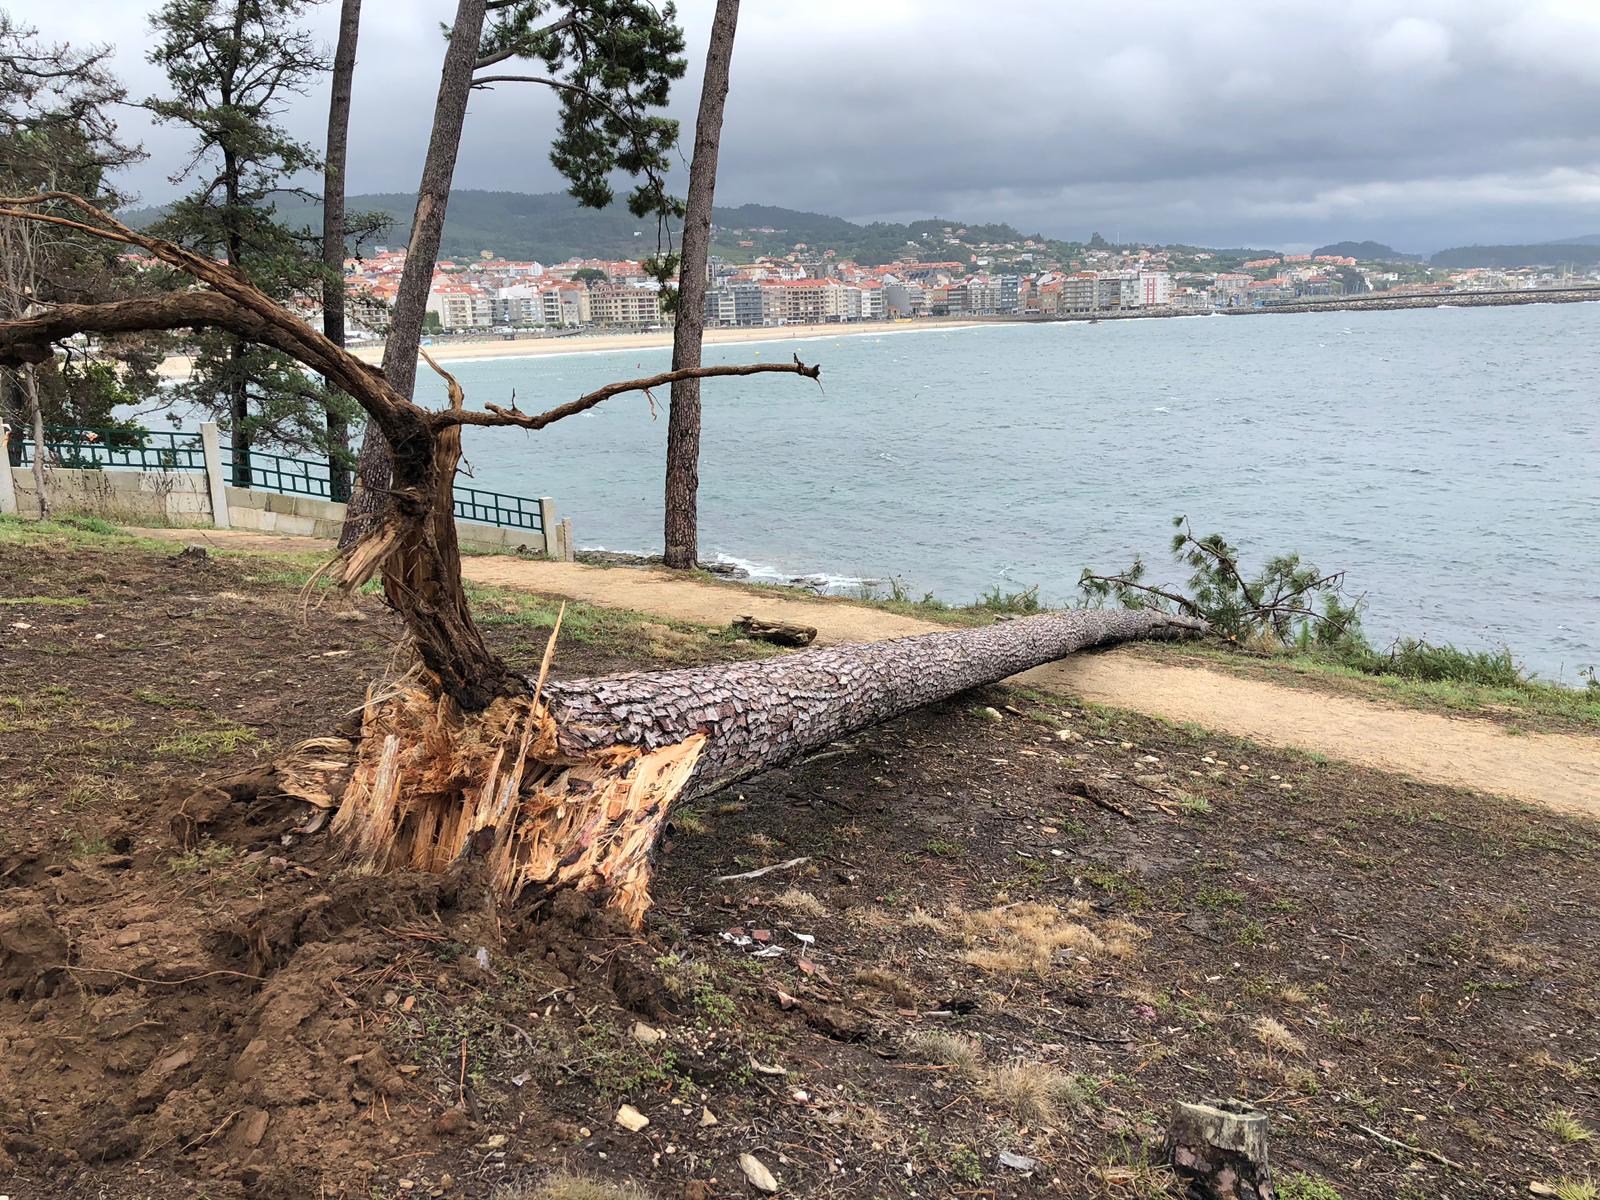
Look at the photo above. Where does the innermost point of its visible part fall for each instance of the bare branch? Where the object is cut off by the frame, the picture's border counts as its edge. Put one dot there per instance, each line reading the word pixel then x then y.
pixel 498 416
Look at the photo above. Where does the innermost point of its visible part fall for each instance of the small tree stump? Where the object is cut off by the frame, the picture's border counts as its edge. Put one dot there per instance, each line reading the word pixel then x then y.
pixel 1218 1149
pixel 779 633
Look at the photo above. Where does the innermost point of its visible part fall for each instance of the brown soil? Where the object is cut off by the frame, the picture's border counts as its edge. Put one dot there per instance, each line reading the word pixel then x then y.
pixel 1558 770
pixel 1154 914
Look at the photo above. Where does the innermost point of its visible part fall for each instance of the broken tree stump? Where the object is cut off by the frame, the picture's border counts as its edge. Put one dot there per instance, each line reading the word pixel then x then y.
pixel 779 633
pixel 1218 1150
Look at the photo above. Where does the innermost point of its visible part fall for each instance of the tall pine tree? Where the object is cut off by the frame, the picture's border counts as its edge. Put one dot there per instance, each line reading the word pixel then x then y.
pixel 231 67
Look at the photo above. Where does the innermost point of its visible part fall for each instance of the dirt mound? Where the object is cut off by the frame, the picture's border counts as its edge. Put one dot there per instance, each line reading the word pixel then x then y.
pixel 208 1002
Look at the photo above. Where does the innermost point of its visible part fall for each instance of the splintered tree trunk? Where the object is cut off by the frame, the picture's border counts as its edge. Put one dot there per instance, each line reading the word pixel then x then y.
pixel 571 786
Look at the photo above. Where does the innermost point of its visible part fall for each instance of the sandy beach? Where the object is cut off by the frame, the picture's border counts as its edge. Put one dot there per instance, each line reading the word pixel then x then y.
pixel 177 366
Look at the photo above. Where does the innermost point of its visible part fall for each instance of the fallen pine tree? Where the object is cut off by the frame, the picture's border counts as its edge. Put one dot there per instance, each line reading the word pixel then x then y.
pixel 552 785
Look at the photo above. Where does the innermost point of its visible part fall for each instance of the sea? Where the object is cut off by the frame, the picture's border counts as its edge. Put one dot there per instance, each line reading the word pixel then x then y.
pixel 1447 459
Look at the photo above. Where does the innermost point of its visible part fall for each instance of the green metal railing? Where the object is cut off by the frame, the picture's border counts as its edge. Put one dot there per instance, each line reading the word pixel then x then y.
pixel 495 508
pixel 87 449
pixel 279 473
pixel 263 470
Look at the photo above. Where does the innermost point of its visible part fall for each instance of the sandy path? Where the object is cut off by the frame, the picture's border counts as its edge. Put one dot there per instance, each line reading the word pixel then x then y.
pixel 1559 771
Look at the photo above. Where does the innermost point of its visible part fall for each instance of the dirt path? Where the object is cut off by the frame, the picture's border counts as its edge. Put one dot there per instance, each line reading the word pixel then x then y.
pixel 1559 771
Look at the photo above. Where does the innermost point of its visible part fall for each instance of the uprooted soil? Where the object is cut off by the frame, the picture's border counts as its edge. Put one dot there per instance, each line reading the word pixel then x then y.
pixel 1021 925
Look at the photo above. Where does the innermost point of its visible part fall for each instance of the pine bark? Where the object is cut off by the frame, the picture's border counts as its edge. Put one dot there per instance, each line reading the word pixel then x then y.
pixel 333 216
pixel 422 251
pixel 757 715
pixel 682 549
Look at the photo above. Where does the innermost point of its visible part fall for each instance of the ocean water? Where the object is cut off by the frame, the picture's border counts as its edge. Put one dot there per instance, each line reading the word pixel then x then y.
pixel 1448 460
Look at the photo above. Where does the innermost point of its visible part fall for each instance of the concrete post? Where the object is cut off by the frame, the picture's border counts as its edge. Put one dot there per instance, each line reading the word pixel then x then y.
pixel 8 487
pixel 550 524
pixel 567 552
pixel 216 479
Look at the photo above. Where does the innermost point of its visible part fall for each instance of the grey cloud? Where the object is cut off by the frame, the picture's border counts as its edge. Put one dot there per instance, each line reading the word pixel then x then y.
pixel 1264 122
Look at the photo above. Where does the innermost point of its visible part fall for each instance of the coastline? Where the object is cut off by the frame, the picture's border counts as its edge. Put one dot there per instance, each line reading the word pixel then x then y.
pixel 477 349
pixel 177 366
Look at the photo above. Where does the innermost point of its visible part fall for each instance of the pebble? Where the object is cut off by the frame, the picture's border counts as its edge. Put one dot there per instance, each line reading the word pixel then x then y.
pixel 756 1172
pixel 631 1119
pixel 646 1035
pixel 707 1118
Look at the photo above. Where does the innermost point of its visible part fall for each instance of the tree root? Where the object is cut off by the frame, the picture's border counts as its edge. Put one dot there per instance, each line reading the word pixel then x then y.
pixel 426 786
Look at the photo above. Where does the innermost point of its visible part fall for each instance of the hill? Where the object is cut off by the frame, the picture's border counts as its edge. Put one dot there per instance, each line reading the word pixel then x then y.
pixel 1367 252
pixel 551 227
pixel 1584 253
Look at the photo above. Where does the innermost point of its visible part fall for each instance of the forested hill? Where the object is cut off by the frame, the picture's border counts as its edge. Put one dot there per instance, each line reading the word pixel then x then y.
pixel 1582 253
pixel 551 227
pixel 1367 252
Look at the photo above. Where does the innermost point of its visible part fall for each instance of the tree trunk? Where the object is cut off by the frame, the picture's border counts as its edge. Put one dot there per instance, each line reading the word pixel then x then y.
pixel 30 385
pixel 682 548
pixel 1218 1150
pixel 570 787
pixel 333 187
pixel 422 251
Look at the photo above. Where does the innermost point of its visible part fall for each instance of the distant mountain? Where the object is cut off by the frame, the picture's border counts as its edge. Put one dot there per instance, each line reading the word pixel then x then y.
pixel 551 227
pixel 1367 252
pixel 1584 253
pixel 1592 239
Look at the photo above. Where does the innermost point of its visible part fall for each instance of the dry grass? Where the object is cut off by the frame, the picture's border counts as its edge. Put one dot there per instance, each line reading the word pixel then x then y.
pixel 801 903
pixel 569 1185
pixel 921 918
pixel 1033 1093
pixel 962 1054
pixel 1276 1038
pixel 880 979
pixel 1012 939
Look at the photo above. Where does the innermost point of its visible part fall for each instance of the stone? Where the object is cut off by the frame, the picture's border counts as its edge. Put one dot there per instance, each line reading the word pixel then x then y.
pixel 707 1118
pixel 756 1172
pixel 254 1126
pixel 451 1121
pixel 646 1035
pixel 1018 1162
pixel 631 1119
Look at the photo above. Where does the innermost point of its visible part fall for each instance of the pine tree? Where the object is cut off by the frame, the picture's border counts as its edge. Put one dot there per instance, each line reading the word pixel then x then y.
pixel 231 67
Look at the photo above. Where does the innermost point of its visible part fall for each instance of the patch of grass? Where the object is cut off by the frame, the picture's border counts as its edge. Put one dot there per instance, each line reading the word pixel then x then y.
pixel 1563 1125
pixel 1214 898
pixel 81 845
pixel 208 743
pixel 1275 1037
pixel 965 1164
pixel 1195 806
pixel 1033 1093
pixel 1297 1185
pixel 569 1185
pixel 939 848
pixel 960 1053
pixel 44 601
pixel 207 857
pixel 801 903
pixel 1576 1189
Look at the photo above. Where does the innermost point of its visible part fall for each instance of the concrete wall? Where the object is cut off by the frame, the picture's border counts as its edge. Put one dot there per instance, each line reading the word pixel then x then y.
pixel 167 497
pixel 312 516
pixel 204 498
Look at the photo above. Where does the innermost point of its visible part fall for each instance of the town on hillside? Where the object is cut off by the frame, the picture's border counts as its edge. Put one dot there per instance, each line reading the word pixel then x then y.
pixel 960 276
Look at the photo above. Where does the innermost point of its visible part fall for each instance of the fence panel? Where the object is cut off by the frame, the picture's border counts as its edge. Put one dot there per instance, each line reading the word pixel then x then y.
pixel 86 449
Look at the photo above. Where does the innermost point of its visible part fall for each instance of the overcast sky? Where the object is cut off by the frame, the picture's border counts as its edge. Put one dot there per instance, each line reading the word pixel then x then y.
pixel 1423 123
